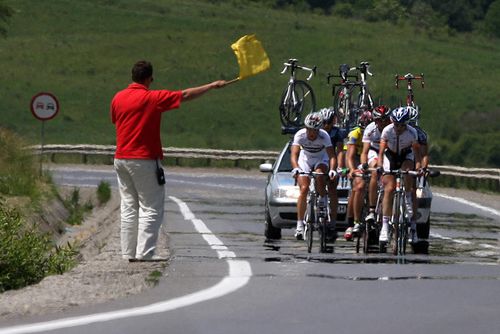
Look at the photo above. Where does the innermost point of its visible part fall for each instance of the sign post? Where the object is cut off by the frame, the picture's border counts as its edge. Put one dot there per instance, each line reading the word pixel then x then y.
pixel 44 106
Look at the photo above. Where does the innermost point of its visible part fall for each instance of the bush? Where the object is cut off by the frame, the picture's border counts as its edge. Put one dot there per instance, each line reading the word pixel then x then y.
pixel 103 192
pixel 18 171
pixel 26 255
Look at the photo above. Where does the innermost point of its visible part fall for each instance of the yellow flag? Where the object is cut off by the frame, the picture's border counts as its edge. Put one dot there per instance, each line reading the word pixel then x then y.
pixel 251 56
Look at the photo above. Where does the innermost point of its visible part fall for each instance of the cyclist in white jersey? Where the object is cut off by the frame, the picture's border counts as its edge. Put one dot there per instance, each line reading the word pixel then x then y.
pixel 311 150
pixel 369 155
pixel 399 148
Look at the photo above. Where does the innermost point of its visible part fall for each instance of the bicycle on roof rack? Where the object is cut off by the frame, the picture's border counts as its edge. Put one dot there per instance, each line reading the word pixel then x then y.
pixel 409 78
pixel 298 97
pixel 348 106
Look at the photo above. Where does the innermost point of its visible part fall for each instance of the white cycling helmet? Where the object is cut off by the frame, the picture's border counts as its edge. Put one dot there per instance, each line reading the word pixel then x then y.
pixel 327 114
pixel 414 115
pixel 401 115
pixel 314 121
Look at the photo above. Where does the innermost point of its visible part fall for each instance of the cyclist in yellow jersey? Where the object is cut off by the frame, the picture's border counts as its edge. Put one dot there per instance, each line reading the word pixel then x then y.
pixel 354 147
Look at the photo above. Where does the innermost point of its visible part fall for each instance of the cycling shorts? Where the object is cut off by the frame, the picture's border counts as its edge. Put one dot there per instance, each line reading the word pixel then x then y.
pixel 308 164
pixel 393 161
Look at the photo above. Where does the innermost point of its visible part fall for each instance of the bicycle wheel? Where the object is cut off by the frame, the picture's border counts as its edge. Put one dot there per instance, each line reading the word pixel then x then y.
pixel 322 235
pixel 296 104
pixel 343 107
pixel 366 237
pixel 396 216
pixel 310 225
pixel 403 229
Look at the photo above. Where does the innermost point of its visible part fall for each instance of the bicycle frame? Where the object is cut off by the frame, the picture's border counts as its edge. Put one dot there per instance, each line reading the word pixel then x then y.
pixel 347 116
pixel 291 104
pixel 364 70
pixel 399 221
pixel 315 218
pixel 410 98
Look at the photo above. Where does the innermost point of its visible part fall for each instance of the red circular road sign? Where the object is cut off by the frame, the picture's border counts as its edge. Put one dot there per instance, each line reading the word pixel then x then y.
pixel 44 106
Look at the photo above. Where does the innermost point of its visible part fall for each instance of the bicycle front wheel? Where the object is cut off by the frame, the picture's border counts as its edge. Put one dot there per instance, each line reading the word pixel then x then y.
pixel 322 235
pixel 396 221
pixel 310 226
pixel 296 103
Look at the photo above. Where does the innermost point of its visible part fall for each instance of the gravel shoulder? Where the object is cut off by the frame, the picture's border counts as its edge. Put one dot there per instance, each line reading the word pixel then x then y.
pixel 102 275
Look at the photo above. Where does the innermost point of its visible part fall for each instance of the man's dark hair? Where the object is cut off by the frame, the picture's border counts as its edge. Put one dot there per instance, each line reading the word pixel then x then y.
pixel 141 71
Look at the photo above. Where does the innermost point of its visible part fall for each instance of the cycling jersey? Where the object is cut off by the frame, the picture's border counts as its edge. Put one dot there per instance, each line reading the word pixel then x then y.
pixel 355 138
pixel 398 143
pixel 337 135
pixel 372 135
pixel 312 152
pixel 399 147
pixel 422 136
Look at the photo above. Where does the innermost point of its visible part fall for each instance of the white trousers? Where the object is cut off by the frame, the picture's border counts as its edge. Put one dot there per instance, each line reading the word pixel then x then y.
pixel 142 206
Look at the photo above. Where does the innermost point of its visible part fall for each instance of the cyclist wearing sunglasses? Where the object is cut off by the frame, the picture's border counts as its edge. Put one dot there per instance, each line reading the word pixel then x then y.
pixel 311 150
pixel 399 149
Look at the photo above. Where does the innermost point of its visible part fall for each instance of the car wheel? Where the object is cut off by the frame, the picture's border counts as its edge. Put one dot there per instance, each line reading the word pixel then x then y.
pixel 270 231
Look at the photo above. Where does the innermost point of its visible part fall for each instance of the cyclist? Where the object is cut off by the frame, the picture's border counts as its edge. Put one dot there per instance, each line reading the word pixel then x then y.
pixel 369 155
pixel 337 136
pixel 399 148
pixel 354 147
pixel 311 150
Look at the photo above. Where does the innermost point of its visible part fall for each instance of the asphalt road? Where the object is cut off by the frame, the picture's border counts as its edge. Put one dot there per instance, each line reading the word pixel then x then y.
pixel 225 277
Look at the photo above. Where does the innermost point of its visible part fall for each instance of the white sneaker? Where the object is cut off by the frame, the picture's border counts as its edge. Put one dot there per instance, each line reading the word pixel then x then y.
pixel 299 234
pixel 348 234
pixel 370 216
pixel 356 229
pixel 384 237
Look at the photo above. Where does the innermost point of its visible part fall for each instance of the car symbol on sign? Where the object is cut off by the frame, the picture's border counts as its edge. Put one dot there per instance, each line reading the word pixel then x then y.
pixel 50 105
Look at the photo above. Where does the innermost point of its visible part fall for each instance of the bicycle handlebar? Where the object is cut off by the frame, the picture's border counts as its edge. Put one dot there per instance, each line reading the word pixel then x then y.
pixel 293 64
pixel 409 77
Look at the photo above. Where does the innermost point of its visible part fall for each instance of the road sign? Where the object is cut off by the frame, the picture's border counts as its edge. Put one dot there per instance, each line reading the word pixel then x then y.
pixel 44 106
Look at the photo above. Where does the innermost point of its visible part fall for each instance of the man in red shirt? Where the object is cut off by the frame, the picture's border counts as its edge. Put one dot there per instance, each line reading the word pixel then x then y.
pixel 136 112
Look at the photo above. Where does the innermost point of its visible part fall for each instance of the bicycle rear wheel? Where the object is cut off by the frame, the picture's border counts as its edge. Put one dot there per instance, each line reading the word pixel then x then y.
pixel 345 107
pixel 297 104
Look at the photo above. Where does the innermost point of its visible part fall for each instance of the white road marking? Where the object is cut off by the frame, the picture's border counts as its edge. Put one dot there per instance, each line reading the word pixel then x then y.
pixel 474 205
pixel 238 276
pixel 468 202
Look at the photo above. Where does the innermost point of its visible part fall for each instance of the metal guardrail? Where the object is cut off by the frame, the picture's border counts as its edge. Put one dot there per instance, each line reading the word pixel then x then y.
pixel 169 152
pixel 201 153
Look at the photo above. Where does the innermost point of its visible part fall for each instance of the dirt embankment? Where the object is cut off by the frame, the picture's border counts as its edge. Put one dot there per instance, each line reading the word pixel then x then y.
pixel 101 275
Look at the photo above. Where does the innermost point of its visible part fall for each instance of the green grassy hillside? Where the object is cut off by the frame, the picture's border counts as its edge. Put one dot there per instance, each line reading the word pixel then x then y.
pixel 82 51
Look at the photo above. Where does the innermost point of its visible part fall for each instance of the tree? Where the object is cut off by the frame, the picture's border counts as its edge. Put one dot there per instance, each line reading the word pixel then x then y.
pixel 492 19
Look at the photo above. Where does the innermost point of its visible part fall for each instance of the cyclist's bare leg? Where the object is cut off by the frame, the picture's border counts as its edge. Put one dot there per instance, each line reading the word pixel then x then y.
pixel 332 193
pixel 303 182
pixel 321 180
pixel 358 192
pixel 389 186
pixel 372 187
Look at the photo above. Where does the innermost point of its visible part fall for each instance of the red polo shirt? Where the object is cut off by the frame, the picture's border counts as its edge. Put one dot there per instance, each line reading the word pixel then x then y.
pixel 136 113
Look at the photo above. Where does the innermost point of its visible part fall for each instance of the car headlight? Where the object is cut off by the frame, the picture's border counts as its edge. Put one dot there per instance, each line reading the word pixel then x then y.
pixel 291 192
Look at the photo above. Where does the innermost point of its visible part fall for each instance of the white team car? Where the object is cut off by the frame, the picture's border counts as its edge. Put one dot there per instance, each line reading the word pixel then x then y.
pixel 281 195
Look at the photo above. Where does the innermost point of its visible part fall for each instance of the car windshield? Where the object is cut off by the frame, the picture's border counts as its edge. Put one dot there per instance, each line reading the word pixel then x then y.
pixel 285 165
